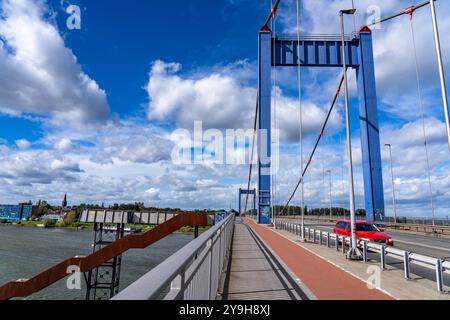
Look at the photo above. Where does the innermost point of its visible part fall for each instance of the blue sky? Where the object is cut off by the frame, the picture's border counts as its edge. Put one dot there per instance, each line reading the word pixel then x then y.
pixel 120 39
pixel 92 112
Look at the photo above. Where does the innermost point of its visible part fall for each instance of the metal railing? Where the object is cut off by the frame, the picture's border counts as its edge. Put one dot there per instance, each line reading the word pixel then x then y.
pixel 192 273
pixel 341 242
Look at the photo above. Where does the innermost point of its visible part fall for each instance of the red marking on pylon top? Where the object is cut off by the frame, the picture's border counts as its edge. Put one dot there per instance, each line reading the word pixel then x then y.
pixel 365 29
pixel 265 29
pixel 410 11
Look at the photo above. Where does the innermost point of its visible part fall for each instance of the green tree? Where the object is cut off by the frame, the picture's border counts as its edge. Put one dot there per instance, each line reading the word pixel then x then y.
pixel 70 218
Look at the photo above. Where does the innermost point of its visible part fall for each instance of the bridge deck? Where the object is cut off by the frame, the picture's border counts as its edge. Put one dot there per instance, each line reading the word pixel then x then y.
pixel 251 273
pixel 325 280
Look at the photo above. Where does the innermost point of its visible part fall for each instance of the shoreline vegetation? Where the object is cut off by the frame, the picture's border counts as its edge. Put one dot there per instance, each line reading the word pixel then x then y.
pixel 70 220
pixel 78 226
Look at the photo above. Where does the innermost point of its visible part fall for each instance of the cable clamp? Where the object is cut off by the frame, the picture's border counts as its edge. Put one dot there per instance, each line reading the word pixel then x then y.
pixel 274 11
pixel 410 11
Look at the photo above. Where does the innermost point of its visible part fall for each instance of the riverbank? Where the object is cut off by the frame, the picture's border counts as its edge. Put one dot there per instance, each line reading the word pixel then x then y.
pixel 89 226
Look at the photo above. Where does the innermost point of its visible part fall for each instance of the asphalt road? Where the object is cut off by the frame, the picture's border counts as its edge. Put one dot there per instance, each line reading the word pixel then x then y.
pixel 425 245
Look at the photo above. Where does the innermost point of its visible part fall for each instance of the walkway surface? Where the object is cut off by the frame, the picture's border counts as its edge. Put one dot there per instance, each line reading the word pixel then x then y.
pixel 325 280
pixel 251 273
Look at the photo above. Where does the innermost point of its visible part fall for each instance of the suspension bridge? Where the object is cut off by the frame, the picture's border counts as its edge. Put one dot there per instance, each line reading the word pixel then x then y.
pixel 263 252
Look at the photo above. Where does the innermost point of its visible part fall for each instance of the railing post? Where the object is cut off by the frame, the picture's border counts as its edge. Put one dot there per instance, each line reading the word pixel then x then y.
pixel 344 240
pixel 336 242
pixel 210 263
pixel 439 277
pixel 383 257
pixel 220 252
pixel 328 239
pixel 406 265
pixel 225 245
pixel 365 256
pixel 178 284
pixel 314 236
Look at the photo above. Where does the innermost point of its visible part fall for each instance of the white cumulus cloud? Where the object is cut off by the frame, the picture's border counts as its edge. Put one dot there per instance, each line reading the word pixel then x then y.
pixel 40 75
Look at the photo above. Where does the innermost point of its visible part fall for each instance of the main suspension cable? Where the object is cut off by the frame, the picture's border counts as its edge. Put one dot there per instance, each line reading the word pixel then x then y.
pixel 272 14
pixel 253 151
pixel 407 11
pixel 317 144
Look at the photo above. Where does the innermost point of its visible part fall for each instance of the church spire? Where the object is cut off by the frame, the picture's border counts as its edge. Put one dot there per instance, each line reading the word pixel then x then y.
pixel 64 203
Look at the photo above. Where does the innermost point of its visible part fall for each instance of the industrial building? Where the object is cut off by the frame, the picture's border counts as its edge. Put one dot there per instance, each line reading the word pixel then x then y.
pixel 21 211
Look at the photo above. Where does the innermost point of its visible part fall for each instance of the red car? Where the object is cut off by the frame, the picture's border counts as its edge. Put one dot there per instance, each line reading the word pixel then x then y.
pixel 364 231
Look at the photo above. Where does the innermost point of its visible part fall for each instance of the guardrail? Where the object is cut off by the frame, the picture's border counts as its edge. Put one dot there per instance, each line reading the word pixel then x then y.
pixel 192 273
pixel 425 228
pixel 324 238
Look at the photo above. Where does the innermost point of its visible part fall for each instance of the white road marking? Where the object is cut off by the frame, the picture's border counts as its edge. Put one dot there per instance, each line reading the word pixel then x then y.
pixel 421 245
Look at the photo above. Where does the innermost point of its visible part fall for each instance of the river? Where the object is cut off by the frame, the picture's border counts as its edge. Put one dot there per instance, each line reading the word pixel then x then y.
pixel 27 251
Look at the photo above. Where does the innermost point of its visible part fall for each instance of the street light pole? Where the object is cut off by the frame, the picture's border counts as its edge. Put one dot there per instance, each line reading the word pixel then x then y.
pixel 441 69
pixel 331 199
pixel 354 253
pixel 354 17
pixel 394 206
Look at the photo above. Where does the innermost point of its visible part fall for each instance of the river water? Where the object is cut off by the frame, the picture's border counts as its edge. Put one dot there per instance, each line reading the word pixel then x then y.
pixel 27 251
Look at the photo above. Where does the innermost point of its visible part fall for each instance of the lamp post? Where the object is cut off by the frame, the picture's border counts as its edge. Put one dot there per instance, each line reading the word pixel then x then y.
pixel 354 17
pixel 394 206
pixel 331 198
pixel 354 253
pixel 441 69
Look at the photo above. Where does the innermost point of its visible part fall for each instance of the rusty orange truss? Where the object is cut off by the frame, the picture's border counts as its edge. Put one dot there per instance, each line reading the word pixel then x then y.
pixel 24 288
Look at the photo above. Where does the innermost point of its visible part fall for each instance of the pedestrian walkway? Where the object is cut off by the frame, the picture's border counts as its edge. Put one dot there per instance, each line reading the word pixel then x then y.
pixel 252 274
pixel 325 280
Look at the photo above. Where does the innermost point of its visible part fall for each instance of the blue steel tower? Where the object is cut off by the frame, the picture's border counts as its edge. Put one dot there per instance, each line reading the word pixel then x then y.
pixel 322 51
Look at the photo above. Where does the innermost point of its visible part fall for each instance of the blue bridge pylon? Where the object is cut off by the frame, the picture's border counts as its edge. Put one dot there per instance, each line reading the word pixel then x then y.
pixel 247 193
pixel 322 51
